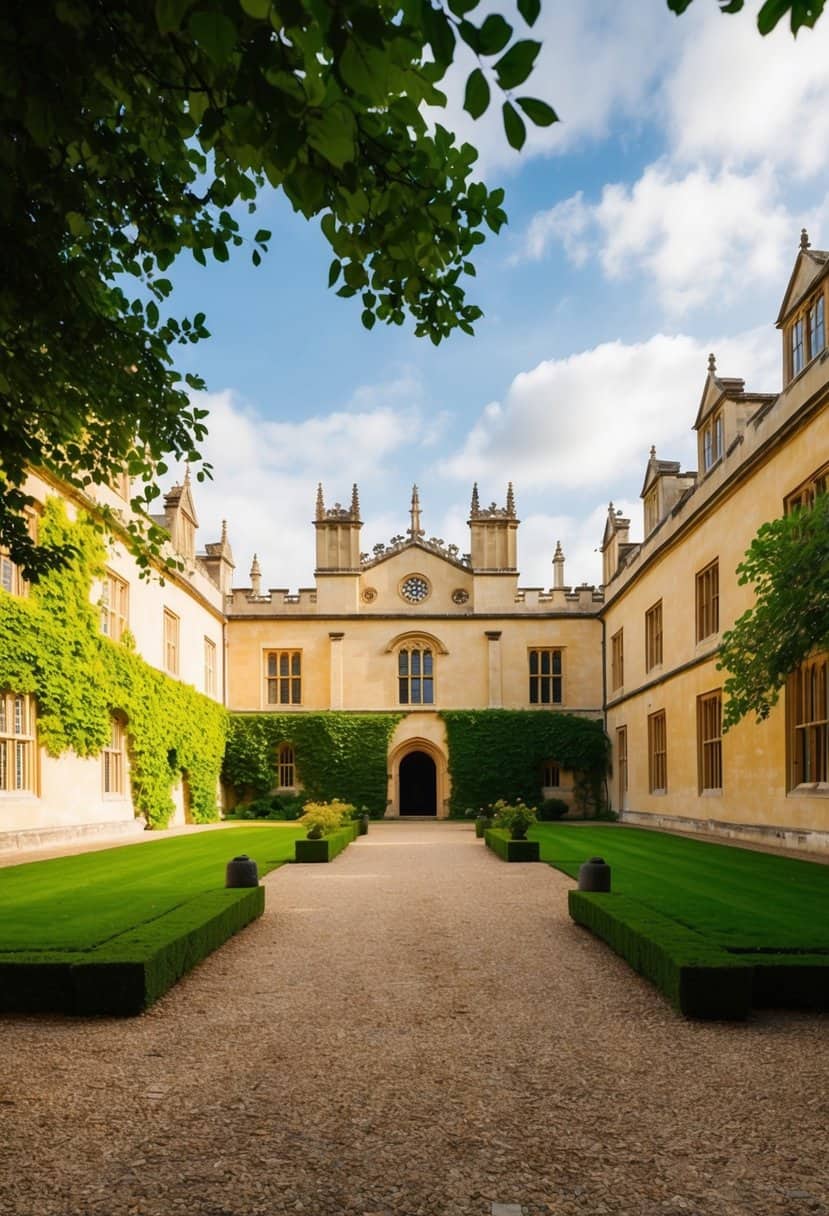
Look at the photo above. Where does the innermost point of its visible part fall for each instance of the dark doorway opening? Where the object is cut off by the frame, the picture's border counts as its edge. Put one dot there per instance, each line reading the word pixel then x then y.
pixel 418 785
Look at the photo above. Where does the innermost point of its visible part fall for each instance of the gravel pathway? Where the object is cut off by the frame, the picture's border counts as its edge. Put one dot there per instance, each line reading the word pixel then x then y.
pixel 416 1028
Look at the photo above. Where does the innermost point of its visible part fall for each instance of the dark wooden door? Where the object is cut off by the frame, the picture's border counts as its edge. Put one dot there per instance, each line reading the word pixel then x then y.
pixel 418 785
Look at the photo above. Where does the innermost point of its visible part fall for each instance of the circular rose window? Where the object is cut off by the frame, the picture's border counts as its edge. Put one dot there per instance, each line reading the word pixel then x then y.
pixel 415 589
pixel 460 596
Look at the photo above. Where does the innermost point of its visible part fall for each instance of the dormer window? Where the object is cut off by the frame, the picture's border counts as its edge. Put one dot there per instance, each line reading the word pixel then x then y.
pixel 807 334
pixel 712 442
pixel 651 510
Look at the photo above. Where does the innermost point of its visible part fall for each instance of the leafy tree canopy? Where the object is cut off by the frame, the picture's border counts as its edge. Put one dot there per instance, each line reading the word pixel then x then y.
pixel 787 564
pixel 131 132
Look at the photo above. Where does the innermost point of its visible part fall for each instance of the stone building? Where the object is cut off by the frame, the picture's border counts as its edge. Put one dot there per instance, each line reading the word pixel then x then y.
pixel 419 627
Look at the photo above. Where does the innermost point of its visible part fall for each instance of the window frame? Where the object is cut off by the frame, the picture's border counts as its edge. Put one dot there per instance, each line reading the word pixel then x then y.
pixel 18 744
pixel 617 660
pixel 709 742
pixel 707 601
pixel 114 761
pixel 807 732
pixel 657 753
pixel 11 576
pixel 806 333
pixel 622 762
pixel 712 442
pixel 551 768
pixel 808 490
pixel 552 677
pixel 172 642
pixel 286 686
pixel 286 766
pixel 114 605
pixel 650 509
pixel 426 681
pixel 210 653
pixel 653 636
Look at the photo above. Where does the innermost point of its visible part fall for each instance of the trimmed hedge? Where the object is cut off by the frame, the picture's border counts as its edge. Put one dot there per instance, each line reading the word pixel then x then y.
pixel 129 972
pixel 700 979
pixel 511 850
pixel 327 848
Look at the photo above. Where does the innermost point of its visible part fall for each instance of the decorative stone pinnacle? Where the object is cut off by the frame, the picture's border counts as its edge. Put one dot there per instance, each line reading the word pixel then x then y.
pixel 558 566
pixel 320 502
pixel 254 566
pixel 804 239
pixel 610 507
pixel 187 473
pixel 355 501
pixel 712 364
pixel 510 500
pixel 415 530
pixel 558 556
pixel 653 451
pixel 255 577
pixel 224 531
pixel 476 506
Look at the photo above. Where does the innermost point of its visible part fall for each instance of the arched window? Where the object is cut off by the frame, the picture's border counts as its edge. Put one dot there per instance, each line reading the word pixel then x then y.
pixel 416 674
pixel 286 767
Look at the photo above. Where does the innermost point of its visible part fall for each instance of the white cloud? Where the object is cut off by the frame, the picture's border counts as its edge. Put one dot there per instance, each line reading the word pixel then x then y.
pixel 267 472
pixel 597 64
pixel 737 98
pixel 589 420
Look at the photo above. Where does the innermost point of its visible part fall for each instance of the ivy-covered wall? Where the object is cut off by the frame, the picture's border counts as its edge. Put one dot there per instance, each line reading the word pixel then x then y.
pixel 338 755
pixel 499 753
pixel 51 646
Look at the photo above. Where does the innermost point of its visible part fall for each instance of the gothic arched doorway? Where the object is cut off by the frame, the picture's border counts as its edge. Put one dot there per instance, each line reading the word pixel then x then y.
pixel 418 784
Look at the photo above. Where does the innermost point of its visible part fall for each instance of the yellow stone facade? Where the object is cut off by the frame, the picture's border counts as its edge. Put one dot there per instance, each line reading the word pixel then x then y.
pixel 418 627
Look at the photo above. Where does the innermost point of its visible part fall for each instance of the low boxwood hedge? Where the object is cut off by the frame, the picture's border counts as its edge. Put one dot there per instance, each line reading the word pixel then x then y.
pixel 129 972
pixel 327 847
pixel 700 979
pixel 511 850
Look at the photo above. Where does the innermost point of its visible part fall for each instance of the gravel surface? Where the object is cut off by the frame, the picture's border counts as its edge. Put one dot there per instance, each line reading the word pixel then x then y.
pixel 416 1028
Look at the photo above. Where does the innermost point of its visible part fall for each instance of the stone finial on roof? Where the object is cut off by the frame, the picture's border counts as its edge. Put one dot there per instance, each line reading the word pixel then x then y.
pixel 255 577
pixel 558 566
pixel 653 451
pixel 510 500
pixel 320 502
pixel 187 473
pixel 804 239
pixel 224 531
pixel 476 506
pixel 415 530
pixel 712 364
pixel 355 501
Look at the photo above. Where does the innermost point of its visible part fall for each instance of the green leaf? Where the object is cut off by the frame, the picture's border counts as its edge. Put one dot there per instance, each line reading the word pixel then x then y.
pixel 530 9
pixel 256 257
pixel 476 98
pixel 220 252
pixel 151 312
pixel 215 34
pixel 493 35
pixel 334 271
pixel 262 236
pixel 257 8
pixel 461 7
pixel 514 127
pixel 514 67
pixel 169 14
pixel 368 318
pixel 333 134
pixel 538 112
pixel 439 33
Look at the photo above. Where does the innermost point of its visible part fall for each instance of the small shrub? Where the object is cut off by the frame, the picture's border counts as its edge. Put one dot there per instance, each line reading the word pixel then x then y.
pixel 515 819
pixel 285 806
pixel 552 809
pixel 322 818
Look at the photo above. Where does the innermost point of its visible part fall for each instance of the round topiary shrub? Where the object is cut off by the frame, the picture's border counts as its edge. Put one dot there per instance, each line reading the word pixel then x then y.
pixel 552 809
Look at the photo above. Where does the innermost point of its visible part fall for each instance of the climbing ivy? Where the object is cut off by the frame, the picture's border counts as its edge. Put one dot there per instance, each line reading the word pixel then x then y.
pixel 499 753
pixel 338 755
pixel 51 646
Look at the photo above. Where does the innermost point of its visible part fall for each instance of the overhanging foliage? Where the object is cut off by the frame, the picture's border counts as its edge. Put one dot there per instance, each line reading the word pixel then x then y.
pixel 787 564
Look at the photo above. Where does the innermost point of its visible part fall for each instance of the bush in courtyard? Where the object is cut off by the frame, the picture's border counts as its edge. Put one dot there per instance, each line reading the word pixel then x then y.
pixel 515 819
pixel 285 806
pixel 551 809
pixel 322 818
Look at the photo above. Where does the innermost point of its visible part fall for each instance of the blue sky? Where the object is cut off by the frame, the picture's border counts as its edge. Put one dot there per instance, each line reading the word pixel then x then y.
pixel 659 220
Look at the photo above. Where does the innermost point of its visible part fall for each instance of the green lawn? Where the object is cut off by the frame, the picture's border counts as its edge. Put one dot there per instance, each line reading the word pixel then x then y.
pixel 739 899
pixel 79 903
